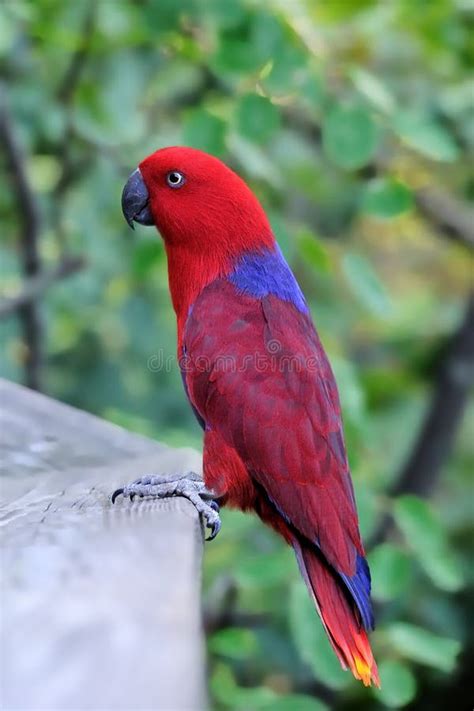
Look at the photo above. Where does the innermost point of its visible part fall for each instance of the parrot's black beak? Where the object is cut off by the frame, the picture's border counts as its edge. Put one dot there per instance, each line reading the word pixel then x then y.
pixel 135 201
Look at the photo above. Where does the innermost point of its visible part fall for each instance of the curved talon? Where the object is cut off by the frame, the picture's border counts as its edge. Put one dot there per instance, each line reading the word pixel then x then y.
pixel 122 492
pixel 215 528
pixel 191 487
pixel 116 494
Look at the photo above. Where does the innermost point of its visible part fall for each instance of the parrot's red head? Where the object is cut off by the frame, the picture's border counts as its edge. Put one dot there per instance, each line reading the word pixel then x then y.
pixel 196 201
pixel 206 214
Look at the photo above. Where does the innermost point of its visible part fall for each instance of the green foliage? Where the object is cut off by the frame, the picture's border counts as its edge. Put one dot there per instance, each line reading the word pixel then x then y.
pixel 350 137
pixel 424 647
pixel 311 640
pixel 391 571
pixel 313 251
pixel 426 136
pixel 261 698
pixel 203 130
pixel 146 255
pixel 387 198
pixel 297 702
pixel 234 643
pixel 231 696
pixel 426 536
pixel 257 118
pixel 373 89
pixel 365 284
pixel 398 684
pixel 336 113
pixel 265 571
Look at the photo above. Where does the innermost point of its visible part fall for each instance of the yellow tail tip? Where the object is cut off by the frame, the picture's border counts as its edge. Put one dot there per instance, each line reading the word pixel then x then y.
pixel 367 674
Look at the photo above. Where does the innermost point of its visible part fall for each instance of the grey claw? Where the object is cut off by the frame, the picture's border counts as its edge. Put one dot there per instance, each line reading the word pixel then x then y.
pixel 190 486
pixel 215 528
pixel 116 494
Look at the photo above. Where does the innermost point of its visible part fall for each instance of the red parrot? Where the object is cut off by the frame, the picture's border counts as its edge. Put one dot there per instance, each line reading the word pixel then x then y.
pixel 260 384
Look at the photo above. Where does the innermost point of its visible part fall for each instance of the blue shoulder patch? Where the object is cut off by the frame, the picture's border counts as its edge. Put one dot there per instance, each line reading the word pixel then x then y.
pixel 267 272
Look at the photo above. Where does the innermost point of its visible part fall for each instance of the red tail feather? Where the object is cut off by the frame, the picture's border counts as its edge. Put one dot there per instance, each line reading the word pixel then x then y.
pixel 338 615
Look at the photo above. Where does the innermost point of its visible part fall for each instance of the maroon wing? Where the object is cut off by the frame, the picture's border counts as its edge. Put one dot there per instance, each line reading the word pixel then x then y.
pixel 257 373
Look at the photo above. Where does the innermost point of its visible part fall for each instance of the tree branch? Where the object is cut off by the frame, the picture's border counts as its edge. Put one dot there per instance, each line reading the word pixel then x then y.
pixel 28 212
pixel 452 216
pixel 450 397
pixel 448 214
pixel 421 472
pixel 222 612
pixel 33 287
pixel 66 94
pixel 72 75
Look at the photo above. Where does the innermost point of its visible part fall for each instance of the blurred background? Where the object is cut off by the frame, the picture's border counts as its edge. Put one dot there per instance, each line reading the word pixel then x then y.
pixel 352 121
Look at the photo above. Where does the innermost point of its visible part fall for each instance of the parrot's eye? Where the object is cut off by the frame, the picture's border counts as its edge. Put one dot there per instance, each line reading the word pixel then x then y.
pixel 175 179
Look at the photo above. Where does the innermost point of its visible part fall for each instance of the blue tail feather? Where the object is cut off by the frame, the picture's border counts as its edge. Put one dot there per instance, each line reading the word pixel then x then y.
pixel 359 587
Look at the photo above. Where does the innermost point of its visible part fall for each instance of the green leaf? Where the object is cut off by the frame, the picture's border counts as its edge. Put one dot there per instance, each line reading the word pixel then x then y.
pixel 255 161
pixel 225 15
pixel 390 568
pixel 367 503
pixel 283 236
pixel 444 569
pixel 398 685
pixel 147 253
pixel 235 697
pixel 234 642
pixel 426 537
pixel 313 250
pixel 107 111
pixel 418 522
pixel 223 684
pixel 342 10
pixel 426 136
pixel 424 647
pixel 205 131
pixel 44 172
pixel 264 569
pixel 7 32
pixel 257 118
pixel 352 393
pixel 267 35
pixel 286 70
pixel 169 15
pixel 236 54
pixel 373 89
pixel 296 702
pixel 365 284
pixel 234 57
pixel 386 197
pixel 350 137
pixel 311 640
pixel 313 91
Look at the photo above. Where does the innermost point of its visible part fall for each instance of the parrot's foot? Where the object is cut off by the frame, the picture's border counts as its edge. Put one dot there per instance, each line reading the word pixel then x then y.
pixel 189 485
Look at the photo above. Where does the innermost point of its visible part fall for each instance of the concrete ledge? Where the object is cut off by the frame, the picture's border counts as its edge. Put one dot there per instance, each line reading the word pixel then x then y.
pixel 100 603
